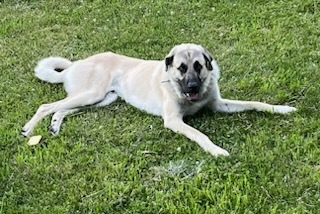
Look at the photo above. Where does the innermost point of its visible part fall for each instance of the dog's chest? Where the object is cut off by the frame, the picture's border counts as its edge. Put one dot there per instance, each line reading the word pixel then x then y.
pixel 190 108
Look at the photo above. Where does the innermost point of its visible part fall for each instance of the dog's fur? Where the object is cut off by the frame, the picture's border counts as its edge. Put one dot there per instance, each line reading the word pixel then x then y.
pixel 182 84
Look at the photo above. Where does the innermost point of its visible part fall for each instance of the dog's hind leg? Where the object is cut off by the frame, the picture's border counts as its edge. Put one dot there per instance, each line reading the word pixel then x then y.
pixel 58 117
pixel 75 101
pixel 230 106
pixel 109 98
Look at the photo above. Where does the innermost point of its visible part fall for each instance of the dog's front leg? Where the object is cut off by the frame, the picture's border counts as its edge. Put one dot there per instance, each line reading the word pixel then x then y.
pixel 230 106
pixel 176 124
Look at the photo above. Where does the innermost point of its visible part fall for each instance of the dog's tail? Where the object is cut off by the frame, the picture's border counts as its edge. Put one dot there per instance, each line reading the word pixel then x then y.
pixel 51 69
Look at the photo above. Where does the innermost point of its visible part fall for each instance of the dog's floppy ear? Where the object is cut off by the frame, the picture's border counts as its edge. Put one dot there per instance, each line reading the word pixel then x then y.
pixel 169 58
pixel 168 61
pixel 208 58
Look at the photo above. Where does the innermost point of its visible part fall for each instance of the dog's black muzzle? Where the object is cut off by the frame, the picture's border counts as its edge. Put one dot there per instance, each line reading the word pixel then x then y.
pixel 190 88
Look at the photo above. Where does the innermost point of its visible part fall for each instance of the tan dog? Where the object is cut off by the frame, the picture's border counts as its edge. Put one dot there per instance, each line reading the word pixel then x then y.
pixel 182 84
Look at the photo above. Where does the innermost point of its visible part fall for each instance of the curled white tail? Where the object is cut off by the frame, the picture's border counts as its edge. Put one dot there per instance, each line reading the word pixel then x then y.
pixel 51 69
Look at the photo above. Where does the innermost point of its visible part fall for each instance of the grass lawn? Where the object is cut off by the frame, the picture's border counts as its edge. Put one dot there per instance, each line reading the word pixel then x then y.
pixel 118 159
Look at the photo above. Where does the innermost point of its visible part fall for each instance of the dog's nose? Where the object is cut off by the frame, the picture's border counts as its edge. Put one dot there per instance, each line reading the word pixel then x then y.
pixel 192 85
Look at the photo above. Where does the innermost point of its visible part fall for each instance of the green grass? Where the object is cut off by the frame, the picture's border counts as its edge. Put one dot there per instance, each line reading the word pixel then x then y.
pixel 267 51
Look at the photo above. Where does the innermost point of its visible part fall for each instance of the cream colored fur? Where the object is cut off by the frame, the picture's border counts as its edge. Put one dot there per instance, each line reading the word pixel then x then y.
pixel 152 86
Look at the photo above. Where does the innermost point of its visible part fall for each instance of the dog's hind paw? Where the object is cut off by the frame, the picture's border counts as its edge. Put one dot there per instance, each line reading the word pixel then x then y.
pixel 53 130
pixel 25 131
pixel 283 109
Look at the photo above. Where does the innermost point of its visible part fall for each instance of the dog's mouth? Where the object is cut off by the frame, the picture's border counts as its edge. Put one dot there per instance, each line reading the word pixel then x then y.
pixel 192 96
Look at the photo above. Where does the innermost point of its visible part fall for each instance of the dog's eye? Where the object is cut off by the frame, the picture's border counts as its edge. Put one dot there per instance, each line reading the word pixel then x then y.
pixel 197 66
pixel 183 68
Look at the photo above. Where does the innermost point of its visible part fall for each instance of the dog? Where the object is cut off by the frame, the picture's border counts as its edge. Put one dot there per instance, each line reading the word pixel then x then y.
pixel 182 84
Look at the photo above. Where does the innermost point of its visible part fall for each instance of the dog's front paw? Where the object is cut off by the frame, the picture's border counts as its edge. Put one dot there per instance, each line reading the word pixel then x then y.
pixel 283 109
pixel 217 151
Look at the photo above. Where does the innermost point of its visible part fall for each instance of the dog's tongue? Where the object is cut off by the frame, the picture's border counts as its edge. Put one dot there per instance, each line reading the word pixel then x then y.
pixel 192 96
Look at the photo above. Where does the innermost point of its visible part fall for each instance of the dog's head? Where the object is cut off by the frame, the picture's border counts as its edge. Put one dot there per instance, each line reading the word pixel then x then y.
pixel 191 70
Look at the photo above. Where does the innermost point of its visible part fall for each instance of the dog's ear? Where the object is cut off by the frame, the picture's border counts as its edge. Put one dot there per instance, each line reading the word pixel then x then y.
pixel 168 61
pixel 169 58
pixel 208 58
